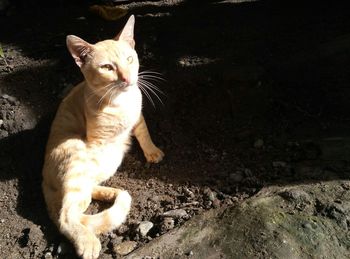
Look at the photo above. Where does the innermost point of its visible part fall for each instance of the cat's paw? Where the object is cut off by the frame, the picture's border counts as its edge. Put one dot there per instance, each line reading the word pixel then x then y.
pixel 88 246
pixel 153 155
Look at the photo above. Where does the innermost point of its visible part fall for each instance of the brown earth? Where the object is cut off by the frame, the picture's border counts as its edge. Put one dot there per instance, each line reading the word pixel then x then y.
pixel 251 91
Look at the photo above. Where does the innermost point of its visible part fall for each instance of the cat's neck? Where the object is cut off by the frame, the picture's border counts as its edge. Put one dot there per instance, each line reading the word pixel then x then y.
pixel 108 116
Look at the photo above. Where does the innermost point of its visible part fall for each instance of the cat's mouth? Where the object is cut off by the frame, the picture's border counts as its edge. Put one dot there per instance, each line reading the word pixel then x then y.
pixel 123 85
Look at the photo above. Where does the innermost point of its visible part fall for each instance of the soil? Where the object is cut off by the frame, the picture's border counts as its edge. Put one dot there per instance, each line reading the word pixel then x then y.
pixel 249 89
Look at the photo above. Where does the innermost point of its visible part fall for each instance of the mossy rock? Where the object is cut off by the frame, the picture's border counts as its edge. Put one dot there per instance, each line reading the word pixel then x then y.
pixel 305 221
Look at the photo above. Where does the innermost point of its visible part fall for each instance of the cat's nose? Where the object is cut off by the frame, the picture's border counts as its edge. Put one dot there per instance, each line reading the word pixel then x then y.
pixel 124 78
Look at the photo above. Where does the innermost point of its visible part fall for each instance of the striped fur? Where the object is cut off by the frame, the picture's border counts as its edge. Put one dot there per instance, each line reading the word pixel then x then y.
pixel 89 137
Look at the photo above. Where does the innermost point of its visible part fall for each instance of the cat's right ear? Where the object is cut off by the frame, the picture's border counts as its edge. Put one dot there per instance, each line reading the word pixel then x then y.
pixel 78 48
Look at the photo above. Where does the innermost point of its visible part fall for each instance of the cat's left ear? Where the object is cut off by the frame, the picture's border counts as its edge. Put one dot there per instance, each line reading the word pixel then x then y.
pixel 127 33
pixel 79 49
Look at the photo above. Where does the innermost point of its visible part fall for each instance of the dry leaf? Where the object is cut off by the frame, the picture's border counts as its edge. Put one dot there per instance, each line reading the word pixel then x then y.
pixel 109 13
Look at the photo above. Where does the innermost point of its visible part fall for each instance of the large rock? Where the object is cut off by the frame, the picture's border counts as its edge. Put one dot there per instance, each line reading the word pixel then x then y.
pixel 304 221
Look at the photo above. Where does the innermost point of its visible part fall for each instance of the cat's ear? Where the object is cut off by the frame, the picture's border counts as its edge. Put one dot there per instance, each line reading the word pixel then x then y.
pixel 127 33
pixel 78 48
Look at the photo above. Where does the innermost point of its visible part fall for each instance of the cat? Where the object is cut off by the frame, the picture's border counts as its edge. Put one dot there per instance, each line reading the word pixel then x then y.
pixel 89 137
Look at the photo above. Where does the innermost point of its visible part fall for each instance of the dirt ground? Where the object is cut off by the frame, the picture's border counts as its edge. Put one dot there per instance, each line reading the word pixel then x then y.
pixel 249 88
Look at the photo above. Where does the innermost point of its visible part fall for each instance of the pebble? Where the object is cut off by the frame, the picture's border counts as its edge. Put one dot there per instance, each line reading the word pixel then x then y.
pixel 144 227
pixel 122 229
pixel 210 194
pixel 178 213
pixel 216 203
pixel 11 99
pixel 1 122
pixel 125 248
pixel 167 224
pixel 3 134
pixel 208 204
pixel 48 255
pixel 63 248
pixel 188 193
pixel 259 143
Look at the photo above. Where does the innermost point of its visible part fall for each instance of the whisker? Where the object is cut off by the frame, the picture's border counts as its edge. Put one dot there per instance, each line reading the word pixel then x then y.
pixel 145 84
pixel 145 79
pixel 98 91
pixel 106 93
pixel 149 72
pixel 152 77
pixel 149 84
pixel 147 87
pixel 147 94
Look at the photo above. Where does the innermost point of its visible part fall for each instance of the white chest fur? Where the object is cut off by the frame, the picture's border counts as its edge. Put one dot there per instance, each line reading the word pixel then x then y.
pixel 115 121
pixel 129 103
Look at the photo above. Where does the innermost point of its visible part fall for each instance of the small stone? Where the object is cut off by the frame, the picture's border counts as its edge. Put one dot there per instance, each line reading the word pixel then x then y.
pixel 208 204
pixel 178 213
pixel 216 203
pixel 211 195
pixel 307 225
pixel 11 99
pixel 188 193
pixel 259 143
pixel 122 229
pixel 125 248
pixel 48 255
pixel 167 224
pixel 3 134
pixel 144 227
pixel 1 122
pixel 2 220
pixel 63 248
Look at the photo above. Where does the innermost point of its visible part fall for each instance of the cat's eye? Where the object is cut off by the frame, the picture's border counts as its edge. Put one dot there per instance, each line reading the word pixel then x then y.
pixel 130 59
pixel 108 67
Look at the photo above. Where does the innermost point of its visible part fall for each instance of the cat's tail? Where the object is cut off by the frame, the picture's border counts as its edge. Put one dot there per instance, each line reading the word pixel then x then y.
pixel 112 217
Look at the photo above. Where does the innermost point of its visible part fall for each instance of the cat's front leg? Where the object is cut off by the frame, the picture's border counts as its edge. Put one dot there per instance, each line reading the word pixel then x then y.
pixel 152 153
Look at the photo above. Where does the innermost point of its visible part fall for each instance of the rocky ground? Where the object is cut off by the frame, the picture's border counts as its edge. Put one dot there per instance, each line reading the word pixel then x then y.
pixel 256 106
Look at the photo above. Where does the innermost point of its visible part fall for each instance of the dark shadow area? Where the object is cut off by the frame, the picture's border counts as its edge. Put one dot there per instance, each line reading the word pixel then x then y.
pixel 21 160
pixel 256 94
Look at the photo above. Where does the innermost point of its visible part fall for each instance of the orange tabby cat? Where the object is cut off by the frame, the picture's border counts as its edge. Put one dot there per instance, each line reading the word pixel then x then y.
pixel 89 137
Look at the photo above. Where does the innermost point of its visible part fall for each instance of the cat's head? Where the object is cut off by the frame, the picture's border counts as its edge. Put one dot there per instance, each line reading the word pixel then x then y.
pixel 107 62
